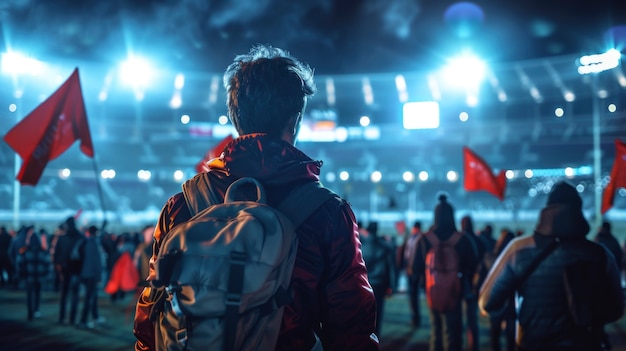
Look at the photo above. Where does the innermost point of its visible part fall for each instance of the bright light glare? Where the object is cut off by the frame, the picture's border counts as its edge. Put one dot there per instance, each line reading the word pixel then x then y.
pixel 599 62
pixel 408 176
pixel 344 175
pixel 136 72
pixel 184 119
pixel 178 175
pixel 463 116
pixel 65 173
pixel 465 70
pixel 420 115
pixel 376 176
pixel 612 108
pixel 364 121
pixel 107 174
pixel 144 175
pixel 12 107
pixel 452 176
pixel 179 81
pixel 559 112
pixel 16 63
pixel 509 174
pixel 223 120
pixel 569 172
pixel 423 176
pixel 528 173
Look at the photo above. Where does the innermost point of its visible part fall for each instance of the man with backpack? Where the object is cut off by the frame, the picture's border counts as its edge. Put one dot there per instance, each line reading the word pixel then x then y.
pixel 444 257
pixel 566 287
pixel 328 302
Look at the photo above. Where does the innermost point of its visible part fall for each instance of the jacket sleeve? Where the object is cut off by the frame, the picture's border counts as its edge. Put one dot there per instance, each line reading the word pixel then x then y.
pixel 175 211
pixel 499 285
pixel 350 316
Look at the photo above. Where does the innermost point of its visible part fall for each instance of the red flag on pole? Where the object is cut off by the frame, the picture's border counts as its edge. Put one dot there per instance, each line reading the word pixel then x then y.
pixel 479 176
pixel 50 129
pixel 213 153
pixel 618 176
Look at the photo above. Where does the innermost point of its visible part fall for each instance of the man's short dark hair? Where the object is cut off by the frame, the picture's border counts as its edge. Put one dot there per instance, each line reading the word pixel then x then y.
pixel 265 89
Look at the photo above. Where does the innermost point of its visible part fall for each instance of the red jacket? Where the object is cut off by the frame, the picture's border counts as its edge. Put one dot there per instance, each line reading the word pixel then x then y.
pixel 332 296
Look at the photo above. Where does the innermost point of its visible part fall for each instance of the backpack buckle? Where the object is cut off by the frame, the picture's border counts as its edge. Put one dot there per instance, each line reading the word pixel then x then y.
pixel 233 299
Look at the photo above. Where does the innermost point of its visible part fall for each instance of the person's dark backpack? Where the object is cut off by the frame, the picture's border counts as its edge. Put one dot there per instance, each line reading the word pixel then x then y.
pixel 226 272
pixel 443 277
pixel 77 257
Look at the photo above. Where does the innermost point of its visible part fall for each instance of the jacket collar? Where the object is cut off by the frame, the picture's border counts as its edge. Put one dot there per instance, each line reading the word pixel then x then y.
pixel 271 160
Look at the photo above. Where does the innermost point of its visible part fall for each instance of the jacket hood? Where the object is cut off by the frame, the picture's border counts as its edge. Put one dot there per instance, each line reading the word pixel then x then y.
pixel 562 220
pixel 270 160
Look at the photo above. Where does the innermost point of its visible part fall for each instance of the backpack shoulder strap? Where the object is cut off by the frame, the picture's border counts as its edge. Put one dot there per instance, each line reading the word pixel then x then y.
pixel 454 239
pixel 198 194
pixel 304 200
pixel 432 239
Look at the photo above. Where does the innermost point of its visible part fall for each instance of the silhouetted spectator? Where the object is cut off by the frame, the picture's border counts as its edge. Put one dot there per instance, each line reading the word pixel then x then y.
pixel 470 285
pixel 68 272
pixel 506 315
pixel 446 327
pixel 6 268
pixel 33 266
pixel 413 279
pixel 605 237
pixel 379 259
pixel 546 318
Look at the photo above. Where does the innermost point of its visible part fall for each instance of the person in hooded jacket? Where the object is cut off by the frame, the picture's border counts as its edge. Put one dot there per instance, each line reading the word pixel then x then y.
pixel 446 331
pixel 544 318
pixel 379 259
pixel 267 90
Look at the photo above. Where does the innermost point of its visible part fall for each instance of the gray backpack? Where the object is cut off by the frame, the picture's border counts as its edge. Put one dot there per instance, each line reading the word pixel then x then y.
pixel 227 271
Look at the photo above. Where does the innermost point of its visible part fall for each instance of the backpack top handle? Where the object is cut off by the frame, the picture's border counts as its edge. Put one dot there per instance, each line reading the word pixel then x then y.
pixel 233 193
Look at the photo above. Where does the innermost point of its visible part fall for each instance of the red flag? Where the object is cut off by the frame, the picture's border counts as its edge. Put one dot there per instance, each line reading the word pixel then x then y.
pixel 618 176
pixel 50 129
pixel 213 153
pixel 479 176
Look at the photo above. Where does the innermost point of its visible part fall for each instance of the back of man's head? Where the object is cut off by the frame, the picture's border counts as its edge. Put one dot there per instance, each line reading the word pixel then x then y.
pixel 265 89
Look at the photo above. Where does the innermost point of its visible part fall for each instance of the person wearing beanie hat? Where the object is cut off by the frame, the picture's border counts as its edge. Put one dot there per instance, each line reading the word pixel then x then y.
pixel 446 327
pixel 545 318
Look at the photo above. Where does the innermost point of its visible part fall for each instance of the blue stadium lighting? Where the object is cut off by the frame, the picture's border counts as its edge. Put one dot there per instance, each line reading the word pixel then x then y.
pixel 599 62
pixel 465 70
pixel 14 63
pixel 344 175
pixel 136 72
pixel 376 177
pixel 423 176
pixel 223 120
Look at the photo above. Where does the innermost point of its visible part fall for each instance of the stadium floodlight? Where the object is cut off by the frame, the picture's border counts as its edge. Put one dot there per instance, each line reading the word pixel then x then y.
pixel 136 72
pixel 17 63
pixel 599 62
pixel 465 71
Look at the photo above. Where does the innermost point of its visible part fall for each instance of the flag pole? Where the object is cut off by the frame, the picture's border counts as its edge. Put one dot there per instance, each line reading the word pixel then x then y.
pixel 99 186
